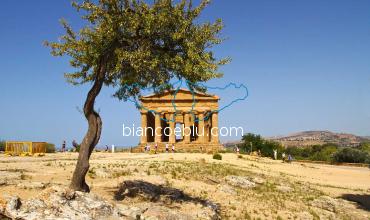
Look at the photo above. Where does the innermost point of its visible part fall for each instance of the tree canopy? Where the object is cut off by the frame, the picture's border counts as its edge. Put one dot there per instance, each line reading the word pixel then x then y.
pixel 141 45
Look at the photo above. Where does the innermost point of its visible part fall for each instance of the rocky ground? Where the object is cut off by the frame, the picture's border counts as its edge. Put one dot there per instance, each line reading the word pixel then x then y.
pixel 181 186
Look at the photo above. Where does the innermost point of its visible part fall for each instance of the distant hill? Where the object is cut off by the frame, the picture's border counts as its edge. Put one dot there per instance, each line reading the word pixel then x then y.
pixel 307 138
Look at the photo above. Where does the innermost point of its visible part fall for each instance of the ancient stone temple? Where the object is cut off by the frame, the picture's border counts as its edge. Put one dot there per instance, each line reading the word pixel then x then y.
pixel 192 118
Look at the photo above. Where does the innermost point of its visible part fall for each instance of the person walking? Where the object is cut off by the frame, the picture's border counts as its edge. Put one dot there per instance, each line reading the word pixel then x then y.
pixel 290 158
pixel 275 154
pixel 155 148
pixel 167 148
pixel 283 156
pixel 64 146
pixel 173 148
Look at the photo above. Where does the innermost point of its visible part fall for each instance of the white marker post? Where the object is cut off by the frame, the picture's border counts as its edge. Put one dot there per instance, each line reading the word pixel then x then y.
pixel 112 148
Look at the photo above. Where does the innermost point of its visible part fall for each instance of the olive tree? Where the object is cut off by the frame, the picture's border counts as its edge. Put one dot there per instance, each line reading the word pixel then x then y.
pixel 133 45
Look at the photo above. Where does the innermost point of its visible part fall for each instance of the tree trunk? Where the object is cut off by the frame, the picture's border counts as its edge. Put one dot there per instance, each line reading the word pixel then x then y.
pixel 92 136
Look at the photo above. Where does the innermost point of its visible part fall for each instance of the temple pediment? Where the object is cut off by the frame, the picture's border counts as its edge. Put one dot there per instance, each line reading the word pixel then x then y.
pixel 182 94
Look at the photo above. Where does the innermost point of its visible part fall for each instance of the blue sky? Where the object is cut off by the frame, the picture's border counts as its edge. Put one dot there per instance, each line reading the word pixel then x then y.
pixel 306 64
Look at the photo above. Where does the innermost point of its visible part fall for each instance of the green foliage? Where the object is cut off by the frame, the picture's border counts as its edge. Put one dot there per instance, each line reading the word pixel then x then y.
pixel 217 156
pixel 316 152
pixel 138 45
pixel 266 147
pixel 365 147
pixel 77 148
pixel 2 145
pixel 50 148
pixel 332 153
pixel 351 155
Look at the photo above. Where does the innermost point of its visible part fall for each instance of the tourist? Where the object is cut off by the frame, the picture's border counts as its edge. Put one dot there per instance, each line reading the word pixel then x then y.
pixel 148 147
pixel 75 145
pixel 275 154
pixel 237 150
pixel 283 156
pixel 290 158
pixel 64 146
pixel 155 148
pixel 167 149
pixel 106 148
pixel 173 148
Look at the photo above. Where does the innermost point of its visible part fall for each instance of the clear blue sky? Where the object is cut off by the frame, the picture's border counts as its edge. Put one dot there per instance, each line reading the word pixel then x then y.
pixel 306 63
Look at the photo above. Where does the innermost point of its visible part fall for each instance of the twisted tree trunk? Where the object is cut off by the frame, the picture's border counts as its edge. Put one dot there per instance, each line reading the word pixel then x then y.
pixel 92 136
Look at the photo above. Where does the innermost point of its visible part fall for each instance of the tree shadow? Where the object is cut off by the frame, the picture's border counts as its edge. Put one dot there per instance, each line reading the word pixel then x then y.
pixel 363 201
pixel 159 193
pixel 3 217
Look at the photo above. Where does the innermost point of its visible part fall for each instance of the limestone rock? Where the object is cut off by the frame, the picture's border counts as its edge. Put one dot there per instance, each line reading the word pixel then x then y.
pixel 3 182
pixel 305 216
pixel 240 181
pixel 284 189
pixel 227 189
pixel 10 175
pixel 31 185
pixel 326 203
pixel 62 203
pixel 258 180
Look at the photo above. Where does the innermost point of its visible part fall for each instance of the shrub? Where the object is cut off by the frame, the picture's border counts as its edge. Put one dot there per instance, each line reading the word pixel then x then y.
pixel 316 152
pixel 240 156
pixel 257 143
pixel 50 148
pixel 217 156
pixel 351 155
pixel 2 145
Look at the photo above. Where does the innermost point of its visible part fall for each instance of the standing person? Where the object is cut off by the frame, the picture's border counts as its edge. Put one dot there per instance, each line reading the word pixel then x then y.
pixel 148 147
pixel 106 148
pixel 173 148
pixel 275 154
pixel 290 158
pixel 167 147
pixel 237 150
pixel 75 145
pixel 155 148
pixel 64 146
pixel 283 156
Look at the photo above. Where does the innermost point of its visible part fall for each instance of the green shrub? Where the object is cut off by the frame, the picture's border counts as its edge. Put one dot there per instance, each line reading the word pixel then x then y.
pixel 351 155
pixel 50 148
pixel 316 152
pixel 2 145
pixel 217 156
pixel 257 143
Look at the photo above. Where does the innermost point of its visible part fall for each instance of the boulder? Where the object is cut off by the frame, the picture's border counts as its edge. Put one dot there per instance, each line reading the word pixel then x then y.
pixel 240 181
pixel 326 203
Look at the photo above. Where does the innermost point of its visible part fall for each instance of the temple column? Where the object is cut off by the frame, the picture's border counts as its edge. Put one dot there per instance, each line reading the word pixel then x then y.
pixel 187 131
pixel 201 131
pixel 172 138
pixel 214 131
pixel 158 128
pixel 143 139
